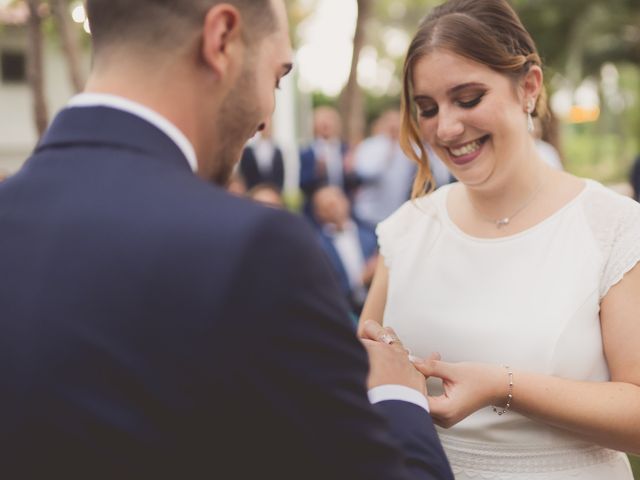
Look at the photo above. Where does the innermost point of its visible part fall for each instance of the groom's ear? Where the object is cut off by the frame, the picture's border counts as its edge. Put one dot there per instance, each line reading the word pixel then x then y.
pixel 222 44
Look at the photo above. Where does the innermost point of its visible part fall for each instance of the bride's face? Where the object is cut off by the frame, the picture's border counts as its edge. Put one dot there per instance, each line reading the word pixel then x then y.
pixel 471 115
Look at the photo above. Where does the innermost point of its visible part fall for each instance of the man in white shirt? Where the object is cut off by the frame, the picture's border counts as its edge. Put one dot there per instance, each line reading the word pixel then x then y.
pixel 350 245
pixel 385 171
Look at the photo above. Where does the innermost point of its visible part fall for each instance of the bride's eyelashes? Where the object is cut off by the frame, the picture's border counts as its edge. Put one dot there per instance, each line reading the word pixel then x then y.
pixel 463 102
pixel 428 112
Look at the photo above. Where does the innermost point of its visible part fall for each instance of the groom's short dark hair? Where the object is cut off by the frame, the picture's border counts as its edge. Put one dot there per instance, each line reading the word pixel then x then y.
pixel 167 23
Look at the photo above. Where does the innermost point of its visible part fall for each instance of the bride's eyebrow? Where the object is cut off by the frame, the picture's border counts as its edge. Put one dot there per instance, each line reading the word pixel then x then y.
pixel 464 86
pixel 422 98
pixel 452 91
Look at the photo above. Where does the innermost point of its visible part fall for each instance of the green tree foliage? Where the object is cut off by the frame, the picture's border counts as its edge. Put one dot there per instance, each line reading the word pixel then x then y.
pixel 583 34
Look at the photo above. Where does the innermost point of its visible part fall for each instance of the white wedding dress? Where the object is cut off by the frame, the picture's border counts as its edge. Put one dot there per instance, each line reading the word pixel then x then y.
pixel 530 301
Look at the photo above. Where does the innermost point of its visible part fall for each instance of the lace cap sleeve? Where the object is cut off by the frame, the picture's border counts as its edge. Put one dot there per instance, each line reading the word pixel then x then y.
pixel 615 221
pixel 392 231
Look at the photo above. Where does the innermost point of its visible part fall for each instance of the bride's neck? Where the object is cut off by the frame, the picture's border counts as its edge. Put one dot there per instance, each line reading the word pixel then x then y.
pixel 501 195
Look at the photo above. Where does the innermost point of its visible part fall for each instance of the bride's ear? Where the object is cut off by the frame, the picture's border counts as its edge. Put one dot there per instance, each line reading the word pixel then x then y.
pixel 531 85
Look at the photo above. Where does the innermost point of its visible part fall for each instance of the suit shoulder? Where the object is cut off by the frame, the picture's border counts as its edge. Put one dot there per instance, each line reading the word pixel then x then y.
pixel 217 213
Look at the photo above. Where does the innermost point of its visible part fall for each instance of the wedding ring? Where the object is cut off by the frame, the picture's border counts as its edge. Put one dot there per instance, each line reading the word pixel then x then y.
pixel 388 338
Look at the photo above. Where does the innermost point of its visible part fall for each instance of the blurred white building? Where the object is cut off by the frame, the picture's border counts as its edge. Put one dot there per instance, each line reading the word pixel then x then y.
pixel 18 134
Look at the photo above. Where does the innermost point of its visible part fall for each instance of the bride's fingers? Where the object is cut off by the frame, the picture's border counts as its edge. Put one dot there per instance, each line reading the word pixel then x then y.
pixel 442 410
pixel 371 330
pixel 435 368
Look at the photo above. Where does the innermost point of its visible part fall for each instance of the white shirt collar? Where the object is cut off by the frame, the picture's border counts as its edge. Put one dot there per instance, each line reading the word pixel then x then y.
pixel 154 118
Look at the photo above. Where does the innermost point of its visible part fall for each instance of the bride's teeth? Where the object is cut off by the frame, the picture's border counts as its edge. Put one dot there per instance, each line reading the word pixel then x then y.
pixel 467 149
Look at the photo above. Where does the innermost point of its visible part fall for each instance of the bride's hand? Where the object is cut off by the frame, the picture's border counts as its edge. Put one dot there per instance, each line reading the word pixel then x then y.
pixel 468 387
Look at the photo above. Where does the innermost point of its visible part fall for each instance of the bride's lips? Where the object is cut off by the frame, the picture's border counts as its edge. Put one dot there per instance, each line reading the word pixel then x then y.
pixel 466 152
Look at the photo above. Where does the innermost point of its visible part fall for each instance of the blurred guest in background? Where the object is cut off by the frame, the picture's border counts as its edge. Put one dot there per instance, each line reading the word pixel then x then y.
pixel 266 193
pixel 385 171
pixel 635 178
pixel 324 162
pixel 262 161
pixel 351 245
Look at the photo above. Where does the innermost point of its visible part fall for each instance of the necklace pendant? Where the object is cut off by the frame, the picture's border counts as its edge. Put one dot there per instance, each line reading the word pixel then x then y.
pixel 503 222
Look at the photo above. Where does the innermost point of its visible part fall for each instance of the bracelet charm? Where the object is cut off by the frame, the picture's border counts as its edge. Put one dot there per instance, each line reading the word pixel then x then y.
pixel 509 393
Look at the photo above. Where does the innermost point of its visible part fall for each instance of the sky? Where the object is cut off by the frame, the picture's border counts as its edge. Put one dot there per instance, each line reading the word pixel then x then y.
pixel 324 56
pixel 326 47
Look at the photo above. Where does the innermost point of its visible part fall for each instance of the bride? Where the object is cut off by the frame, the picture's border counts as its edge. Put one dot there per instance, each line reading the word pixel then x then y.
pixel 523 278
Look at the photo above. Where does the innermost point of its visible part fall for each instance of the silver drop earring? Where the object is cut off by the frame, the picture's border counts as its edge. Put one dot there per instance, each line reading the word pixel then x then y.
pixel 530 126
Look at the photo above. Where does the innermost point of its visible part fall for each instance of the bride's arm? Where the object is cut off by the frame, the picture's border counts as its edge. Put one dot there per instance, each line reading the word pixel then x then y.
pixel 607 413
pixel 377 298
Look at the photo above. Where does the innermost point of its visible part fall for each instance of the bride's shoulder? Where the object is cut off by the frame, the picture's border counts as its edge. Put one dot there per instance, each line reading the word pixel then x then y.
pixel 405 223
pixel 415 214
pixel 604 206
pixel 420 209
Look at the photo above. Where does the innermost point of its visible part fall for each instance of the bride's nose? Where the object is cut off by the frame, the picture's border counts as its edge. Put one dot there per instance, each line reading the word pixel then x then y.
pixel 450 127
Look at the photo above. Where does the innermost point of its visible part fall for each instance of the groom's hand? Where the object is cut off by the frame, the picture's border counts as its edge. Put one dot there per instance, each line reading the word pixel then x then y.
pixel 389 360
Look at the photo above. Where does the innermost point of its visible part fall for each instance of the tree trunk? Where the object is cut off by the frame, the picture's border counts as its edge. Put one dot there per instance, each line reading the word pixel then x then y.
pixel 352 101
pixel 35 69
pixel 69 41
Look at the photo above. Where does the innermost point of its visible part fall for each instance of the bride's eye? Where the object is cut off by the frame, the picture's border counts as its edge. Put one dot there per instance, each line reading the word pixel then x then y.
pixel 429 112
pixel 472 102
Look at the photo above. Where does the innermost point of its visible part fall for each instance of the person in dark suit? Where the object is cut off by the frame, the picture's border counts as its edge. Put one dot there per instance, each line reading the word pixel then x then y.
pixel 262 161
pixel 155 326
pixel 325 161
pixel 635 178
pixel 351 245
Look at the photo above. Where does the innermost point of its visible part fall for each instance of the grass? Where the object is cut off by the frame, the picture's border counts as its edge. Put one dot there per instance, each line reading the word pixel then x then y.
pixel 635 466
pixel 603 157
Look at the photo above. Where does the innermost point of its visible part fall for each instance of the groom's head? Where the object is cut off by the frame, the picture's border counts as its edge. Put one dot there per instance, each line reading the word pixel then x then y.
pixel 157 25
pixel 209 66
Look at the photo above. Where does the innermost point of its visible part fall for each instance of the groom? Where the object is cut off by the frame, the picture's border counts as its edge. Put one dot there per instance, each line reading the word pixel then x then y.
pixel 153 326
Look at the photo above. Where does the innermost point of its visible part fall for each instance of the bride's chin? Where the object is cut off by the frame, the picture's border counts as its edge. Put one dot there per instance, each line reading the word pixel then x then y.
pixel 473 179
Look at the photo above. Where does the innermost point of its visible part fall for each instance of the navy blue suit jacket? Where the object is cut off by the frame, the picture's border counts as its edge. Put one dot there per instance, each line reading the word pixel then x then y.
pixel 635 178
pixel 153 326
pixel 310 181
pixel 253 176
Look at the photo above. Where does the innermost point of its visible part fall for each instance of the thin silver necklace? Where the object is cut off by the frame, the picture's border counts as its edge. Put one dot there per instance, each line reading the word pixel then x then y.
pixel 504 221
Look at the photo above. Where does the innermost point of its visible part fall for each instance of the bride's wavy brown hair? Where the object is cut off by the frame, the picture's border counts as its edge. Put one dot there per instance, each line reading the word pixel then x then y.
pixel 486 31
